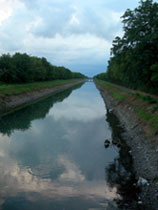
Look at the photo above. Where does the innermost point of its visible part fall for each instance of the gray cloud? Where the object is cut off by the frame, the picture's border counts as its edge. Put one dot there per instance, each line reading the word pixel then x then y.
pixel 70 17
pixel 67 32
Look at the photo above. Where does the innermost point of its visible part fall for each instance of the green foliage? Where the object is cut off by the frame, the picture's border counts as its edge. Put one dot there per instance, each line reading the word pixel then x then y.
pixel 155 108
pixel 115 92
pixel 147 98
pixel 134 60
pixel 155 121
pixel 37 110
pixel 22 68
pixel 101 76
pixel 148 118
pixel 14 89
pixel 145 107
pixel 144 115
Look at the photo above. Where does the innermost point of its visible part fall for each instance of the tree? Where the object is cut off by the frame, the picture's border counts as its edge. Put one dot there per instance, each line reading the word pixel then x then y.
pixel 22 68
pixel 134 56
pixel 22 63
pixel 7 69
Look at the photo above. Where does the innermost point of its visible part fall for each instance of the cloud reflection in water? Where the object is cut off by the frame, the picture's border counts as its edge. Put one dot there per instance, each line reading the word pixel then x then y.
pixel 61 156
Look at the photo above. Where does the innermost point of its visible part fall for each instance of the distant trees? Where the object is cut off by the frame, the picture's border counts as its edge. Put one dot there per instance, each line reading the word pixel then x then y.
pixel 22 68
pixel 102 76
pixel 134 61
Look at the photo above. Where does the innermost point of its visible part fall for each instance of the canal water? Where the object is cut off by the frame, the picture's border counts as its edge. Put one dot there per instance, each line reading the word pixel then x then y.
pixel 65 152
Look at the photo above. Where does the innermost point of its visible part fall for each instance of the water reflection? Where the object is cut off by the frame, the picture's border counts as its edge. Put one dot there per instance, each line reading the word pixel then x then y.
pixel 120 173
pixel 59 161
pixel 22 119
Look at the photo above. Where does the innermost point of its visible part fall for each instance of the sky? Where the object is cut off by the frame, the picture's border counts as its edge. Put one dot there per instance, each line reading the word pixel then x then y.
pixel 76 34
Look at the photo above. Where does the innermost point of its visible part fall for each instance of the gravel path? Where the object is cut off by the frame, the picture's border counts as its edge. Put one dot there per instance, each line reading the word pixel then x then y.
pixel 132 91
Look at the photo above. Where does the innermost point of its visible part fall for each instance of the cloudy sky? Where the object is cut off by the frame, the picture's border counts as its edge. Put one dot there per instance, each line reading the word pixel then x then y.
pixel 74 33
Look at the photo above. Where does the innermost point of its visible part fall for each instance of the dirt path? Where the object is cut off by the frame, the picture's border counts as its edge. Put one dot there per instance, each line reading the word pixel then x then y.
pixel 132 91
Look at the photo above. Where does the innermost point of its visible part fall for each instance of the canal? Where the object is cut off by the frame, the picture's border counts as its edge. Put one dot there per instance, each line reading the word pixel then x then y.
pixel 65 152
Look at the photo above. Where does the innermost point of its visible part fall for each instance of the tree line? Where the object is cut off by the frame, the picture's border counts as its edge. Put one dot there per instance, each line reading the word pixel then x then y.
pixel 22 68
pixel 134 56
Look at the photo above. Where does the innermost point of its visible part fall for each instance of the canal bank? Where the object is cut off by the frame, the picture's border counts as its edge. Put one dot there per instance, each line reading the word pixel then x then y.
pixel 16 101
pixel 144 149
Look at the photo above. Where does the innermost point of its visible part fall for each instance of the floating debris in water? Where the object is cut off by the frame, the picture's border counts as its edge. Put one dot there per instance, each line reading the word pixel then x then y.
pixel 110 110
pixel 140 202
pixel 106 143
pixel 142 181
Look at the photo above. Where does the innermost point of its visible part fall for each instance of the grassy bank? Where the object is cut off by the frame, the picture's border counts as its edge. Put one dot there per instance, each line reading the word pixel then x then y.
pixel 145 106
pixel 15 89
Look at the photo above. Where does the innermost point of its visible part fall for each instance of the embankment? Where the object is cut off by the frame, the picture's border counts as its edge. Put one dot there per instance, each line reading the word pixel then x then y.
pixel 13 102
pixel 143 143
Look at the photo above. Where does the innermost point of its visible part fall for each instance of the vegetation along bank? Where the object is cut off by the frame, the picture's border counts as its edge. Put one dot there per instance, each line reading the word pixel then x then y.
pixel 25 78
pixel 138 114
pixel 134 64
pixel 16 96
pixel 134 56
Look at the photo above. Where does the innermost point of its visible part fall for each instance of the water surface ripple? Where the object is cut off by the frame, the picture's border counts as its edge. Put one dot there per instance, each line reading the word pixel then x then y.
pixel 52 155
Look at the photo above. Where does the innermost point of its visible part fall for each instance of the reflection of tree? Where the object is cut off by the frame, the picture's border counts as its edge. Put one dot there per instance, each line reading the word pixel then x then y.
pixel 118 176
pixel 117 140
pixel 120 172
pixel 22 119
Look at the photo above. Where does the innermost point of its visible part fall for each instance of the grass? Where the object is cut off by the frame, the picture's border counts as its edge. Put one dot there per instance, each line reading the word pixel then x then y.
pixel 145 106
pixel 115 92
pixel 155 122
pixel 147 98
pixel 15 89
pixel 143 114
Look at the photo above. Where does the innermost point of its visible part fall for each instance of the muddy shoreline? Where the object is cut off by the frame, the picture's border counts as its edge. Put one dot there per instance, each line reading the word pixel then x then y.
pixel 13 102
pixel 144 151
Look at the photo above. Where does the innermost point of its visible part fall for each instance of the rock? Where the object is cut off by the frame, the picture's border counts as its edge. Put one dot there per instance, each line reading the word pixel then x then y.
pixel 142 182
pixel 116 142
pixel 110 110
pixel 106 143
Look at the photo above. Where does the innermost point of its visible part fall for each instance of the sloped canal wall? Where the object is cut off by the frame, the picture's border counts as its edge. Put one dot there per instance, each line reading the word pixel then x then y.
pixel 144 150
